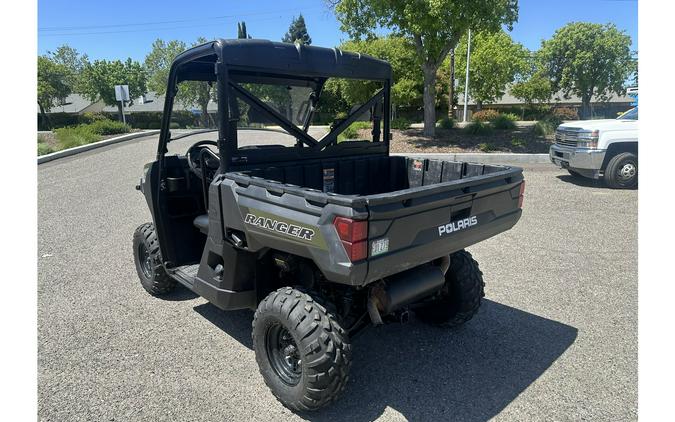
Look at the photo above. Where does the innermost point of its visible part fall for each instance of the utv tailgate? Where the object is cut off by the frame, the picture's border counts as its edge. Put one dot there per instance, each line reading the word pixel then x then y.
pixel 419 224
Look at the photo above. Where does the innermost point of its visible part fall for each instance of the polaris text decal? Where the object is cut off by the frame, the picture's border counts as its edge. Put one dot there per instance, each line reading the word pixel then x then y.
pixel 279 226
pixel 458 225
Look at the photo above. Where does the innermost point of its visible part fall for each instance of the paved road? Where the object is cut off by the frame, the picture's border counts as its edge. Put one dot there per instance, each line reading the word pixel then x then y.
pixel 555 340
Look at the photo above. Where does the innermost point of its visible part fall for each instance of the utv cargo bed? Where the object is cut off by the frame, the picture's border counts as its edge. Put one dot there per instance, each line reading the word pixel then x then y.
pixel 417 210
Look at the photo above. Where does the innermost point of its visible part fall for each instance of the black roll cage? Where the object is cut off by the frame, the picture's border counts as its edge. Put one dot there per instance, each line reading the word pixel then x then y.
pixel 231 62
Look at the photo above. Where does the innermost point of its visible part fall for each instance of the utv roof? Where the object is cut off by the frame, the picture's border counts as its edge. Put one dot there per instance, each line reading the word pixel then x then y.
pixel 267 57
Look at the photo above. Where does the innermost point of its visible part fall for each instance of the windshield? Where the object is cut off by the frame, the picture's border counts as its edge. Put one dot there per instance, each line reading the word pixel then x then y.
pixel 631 114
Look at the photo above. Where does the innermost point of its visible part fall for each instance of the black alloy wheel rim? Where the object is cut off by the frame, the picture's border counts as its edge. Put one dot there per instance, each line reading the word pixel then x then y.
pixel 283 354
pixel 145 260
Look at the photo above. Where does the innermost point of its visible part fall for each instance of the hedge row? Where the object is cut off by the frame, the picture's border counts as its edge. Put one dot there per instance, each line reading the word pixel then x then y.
pixel 140 120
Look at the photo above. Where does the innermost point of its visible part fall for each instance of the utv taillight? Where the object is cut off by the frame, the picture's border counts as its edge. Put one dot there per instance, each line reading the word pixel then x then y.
pixel 354 236
pixel 521 195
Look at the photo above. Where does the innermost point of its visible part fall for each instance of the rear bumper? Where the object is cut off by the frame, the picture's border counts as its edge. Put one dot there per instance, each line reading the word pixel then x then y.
pixel 588 162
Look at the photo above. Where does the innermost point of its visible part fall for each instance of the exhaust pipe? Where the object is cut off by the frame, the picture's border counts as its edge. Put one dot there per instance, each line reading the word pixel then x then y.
pixel 403 289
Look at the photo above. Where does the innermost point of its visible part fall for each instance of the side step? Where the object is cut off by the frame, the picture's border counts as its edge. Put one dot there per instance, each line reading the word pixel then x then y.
pixel 186 275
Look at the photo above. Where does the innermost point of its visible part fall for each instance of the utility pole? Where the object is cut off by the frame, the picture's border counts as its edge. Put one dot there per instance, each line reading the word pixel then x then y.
pixel 466 85
pixel 451 85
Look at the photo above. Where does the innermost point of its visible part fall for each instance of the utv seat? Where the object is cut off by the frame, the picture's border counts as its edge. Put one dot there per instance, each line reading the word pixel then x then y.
pixel 202 223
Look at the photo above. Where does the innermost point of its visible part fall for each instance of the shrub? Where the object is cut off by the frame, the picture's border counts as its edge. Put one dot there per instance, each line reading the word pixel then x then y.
pixel 145 120
pixel 58 120
pixel 353 131
pixel 515 142
pixel 93 117
pixel 505 122
pixel 486 147
pixel 174 125
pixel 543 128
pixel 43 149
pixel 109 127
pixel 565 113
pixel 349 133
pixel 445 123
pixel 361 125
pixel 478 128
pixel 70 137
pixel 484 115
pixel 400 123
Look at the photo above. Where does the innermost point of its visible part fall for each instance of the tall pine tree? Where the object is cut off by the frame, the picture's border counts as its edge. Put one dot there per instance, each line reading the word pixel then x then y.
pixel 241 31
pixel 297 32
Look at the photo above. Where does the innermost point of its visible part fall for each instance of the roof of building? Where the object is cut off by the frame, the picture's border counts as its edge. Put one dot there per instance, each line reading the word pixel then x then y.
pixel 150 102
pixel 509 99
pixel 153 102
pixel 76 104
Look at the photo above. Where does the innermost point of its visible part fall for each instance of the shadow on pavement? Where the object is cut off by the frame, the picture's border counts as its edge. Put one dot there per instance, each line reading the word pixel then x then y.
pixel 179 294
pixel 582 181
pixel 236 324
pixel 428 373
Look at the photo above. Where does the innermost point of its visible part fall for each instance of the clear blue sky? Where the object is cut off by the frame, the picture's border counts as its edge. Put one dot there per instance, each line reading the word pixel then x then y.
pixel 122 28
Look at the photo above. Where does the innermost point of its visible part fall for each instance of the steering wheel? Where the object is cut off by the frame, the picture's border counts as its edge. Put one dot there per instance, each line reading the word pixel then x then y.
pixel 200 153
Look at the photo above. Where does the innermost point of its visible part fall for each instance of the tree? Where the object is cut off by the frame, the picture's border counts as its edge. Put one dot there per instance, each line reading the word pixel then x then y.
pixel 495 62
pixel 407 87
pixel 197 93
pixel 434 28
pixel 588 60
pixel 190 93
pixel 535 89
pixel 99 78
pixel 158 62
pixel 72 60
pixel 52 85
pixel 297 32
pixel 241 31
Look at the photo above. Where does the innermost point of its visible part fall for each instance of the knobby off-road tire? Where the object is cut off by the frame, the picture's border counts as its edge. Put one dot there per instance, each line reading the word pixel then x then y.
pixel 461 295
pixel 293 327
pixel 148 259
pixel 622 171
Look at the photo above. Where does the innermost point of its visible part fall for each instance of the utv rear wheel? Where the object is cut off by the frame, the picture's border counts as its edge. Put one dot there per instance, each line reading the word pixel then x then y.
pixel 148 259
pixel 460 296
pixel 622 171
pixel 303 353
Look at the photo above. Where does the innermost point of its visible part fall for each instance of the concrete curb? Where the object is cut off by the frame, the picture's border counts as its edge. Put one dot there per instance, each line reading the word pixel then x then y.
pixel 488 158
pixel 82 148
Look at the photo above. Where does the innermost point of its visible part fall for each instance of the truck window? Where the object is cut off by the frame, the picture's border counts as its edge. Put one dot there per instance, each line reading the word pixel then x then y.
pixel 631 114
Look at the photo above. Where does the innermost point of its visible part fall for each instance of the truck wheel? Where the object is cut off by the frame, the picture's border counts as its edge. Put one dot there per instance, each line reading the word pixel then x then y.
pixel 622 171
pixel 461 294
pixel 303 353
pixel 148 259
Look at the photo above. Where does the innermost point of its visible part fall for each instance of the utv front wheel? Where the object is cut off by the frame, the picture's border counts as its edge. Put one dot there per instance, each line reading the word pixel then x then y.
pixel 303 353
pixel 148 259
pixel 460 296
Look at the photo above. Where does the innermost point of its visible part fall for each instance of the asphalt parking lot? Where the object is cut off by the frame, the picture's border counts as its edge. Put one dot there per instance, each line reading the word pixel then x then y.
pixel 556 338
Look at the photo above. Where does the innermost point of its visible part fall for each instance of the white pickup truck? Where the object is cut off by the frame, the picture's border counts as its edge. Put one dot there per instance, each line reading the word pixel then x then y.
pixel 600 148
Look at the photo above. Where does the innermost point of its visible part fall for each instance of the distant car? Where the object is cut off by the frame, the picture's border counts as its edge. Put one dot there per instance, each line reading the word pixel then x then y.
pixel 597 149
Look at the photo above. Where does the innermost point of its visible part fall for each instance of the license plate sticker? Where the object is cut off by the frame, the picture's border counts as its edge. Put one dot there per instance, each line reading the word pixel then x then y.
pixel 379 246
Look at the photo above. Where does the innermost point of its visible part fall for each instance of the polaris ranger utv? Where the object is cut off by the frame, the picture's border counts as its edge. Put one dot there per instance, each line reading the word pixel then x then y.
pixel 321 234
